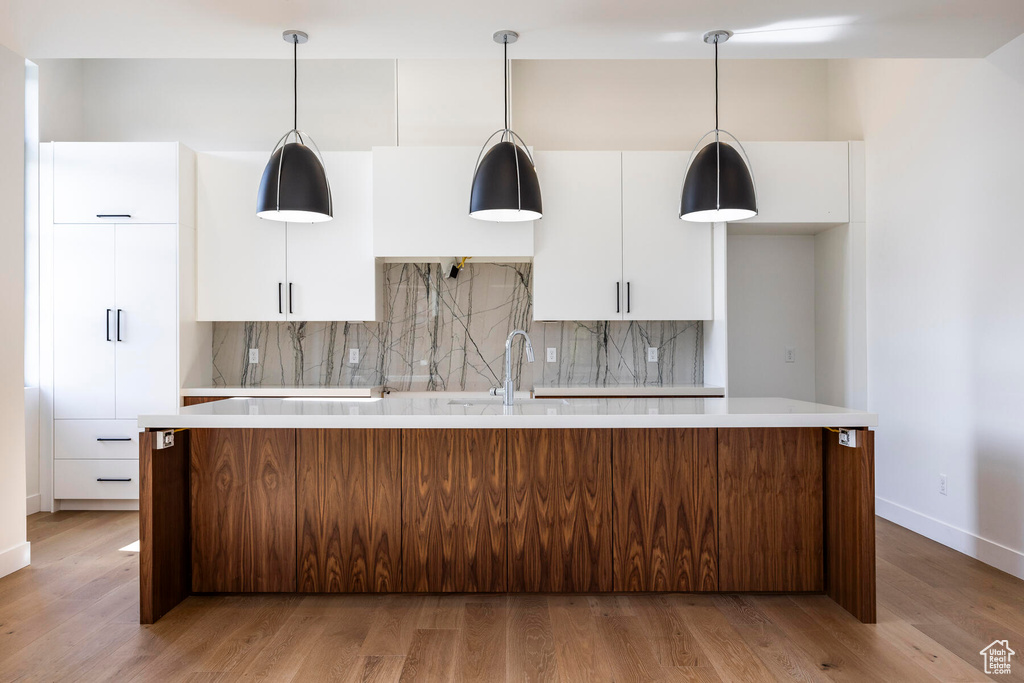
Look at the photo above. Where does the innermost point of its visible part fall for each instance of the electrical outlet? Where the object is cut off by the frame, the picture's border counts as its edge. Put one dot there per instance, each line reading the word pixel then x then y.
pixel 552 354
pixel 848 438
pixel 790 354
pixel 942 485
pixel 164 439
pixel 254 356
pixel 353 356
pixel 652 354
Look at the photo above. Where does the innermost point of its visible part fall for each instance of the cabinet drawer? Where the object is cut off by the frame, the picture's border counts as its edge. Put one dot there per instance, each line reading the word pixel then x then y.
pixel 81 440
pixel 81 479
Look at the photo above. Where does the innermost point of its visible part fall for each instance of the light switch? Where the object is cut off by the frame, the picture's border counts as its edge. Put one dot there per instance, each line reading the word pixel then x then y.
pixel 652 354
pixel 353 356
pixel 552 354
pixel 254 356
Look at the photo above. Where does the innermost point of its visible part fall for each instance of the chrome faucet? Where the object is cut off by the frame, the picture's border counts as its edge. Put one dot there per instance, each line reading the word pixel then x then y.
pixel 510 389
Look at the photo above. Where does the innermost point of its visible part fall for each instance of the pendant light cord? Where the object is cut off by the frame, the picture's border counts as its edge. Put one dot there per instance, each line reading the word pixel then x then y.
pixel 505 47
pixel 716 82
pixel 295 81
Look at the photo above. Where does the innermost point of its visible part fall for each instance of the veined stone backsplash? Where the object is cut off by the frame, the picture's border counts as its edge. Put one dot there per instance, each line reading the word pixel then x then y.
pixel 440 334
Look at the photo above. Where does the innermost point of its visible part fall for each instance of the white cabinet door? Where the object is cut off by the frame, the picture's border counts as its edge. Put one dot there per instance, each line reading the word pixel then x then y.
pixel 115 182
pixel 801 182
pixel 421 208
pixel 577 265
pixel 83 321
pixel 241 258
pixel 667 263
pixel 146 319
pixel 331 270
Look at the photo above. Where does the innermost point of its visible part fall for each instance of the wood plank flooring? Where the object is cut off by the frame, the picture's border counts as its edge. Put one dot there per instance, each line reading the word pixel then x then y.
pixel 73 616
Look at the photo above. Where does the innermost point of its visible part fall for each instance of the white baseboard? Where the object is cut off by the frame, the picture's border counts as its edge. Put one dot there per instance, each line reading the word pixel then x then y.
pixel 33 504
pixel 73 504
pixel 13 559
pixel 991 553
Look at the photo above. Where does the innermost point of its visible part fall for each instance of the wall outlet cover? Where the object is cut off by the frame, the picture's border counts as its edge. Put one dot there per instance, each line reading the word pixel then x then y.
pixel 943 490
pixel 254 356
pixel 790 354
pixel 652 354
pixel 552 354
pixel 353 356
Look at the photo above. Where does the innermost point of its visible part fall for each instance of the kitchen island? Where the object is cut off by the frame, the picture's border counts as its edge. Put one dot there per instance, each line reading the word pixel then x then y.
pixel 467 495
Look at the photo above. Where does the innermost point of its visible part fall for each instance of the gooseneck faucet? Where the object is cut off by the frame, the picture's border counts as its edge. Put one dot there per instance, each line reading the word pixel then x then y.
pixel 510 389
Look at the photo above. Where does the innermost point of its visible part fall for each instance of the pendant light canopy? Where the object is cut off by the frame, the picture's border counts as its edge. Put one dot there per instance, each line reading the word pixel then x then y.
pixel 505 186
pixel 718 187
pixel 294 187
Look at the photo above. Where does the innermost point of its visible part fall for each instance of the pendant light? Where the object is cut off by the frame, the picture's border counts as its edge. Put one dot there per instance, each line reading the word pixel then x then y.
pixel 294 187
pixel 505 186
pixel 718 187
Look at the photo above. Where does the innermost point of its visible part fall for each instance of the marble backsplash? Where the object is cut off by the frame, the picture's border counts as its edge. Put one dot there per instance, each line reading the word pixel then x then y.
pixel 440 334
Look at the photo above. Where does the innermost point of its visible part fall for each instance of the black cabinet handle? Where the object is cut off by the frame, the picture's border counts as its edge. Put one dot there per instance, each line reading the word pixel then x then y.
pixel 113 215
pixel 280 305
pixel 291 299
pixel 618 298
pixel 108 325
pixel 111 479
pixel 119 325
pixel 628 306
pixel 111 438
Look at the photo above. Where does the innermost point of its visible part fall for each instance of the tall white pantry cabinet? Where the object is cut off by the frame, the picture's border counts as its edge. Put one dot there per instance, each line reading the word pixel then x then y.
pixel 119 331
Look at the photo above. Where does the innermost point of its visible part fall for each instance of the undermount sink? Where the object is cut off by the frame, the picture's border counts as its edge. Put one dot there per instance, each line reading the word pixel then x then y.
pixel 497 401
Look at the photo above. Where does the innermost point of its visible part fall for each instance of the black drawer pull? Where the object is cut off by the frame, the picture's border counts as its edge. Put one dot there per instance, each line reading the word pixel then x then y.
pixel 105 479
pixel 111 438
pixel 113 215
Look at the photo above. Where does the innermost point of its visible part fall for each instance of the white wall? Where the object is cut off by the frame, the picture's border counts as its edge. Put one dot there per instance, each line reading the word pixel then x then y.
pixel 666 104
pixel 226 104
pixel 350 104
pixel 945 288
pixel 14 548
pixel 771 307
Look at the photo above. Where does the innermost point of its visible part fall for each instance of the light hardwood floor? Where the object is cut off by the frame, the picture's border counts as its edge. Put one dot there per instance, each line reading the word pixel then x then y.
pixel 73 616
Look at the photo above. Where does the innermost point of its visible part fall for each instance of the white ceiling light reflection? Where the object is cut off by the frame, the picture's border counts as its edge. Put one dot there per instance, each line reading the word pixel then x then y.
pixel 819 30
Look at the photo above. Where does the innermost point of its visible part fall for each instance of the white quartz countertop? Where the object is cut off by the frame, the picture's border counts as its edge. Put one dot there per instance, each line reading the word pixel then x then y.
pixel 267 391
pixel 696 390
pixel 464 413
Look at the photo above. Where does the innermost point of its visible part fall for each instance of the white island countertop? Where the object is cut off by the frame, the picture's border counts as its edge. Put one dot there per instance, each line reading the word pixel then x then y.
pixel 445 412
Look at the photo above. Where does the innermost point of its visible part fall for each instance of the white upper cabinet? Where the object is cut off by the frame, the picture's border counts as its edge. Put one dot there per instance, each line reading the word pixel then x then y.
pixel 611 245
pixel 115 182
pixel 800 182
pixel 577 265
pixel 332 274
pixel 421 208
pixel 241 258
pixel 667 263
pixel 251 269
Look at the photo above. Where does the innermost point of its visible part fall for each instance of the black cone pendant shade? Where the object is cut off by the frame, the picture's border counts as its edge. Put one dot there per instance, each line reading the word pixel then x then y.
pixel 505 186
pixel 718 187
pixel 294 187
pixel 718 172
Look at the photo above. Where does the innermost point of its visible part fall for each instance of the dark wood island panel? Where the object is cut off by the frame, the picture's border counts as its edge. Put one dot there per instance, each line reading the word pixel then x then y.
pixel 770 509
pixel 850 523
pixel 243 510
pixel 454 530
pixel 560 510
pixel 349 510
pixel 666 509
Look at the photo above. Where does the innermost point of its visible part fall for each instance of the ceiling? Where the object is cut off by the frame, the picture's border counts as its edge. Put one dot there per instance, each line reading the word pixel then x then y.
pixel 551 29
